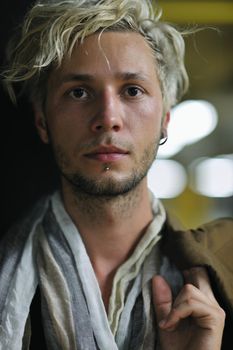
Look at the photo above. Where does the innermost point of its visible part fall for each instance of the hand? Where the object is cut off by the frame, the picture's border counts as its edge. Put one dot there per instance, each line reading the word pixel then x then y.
pixel 194 320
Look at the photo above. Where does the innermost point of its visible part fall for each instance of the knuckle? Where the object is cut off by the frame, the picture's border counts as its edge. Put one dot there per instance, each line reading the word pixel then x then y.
pixel 188 288
pixel 221 313
pixel 190 301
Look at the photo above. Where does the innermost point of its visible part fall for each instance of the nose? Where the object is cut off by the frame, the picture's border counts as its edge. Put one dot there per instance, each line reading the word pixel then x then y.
pixel 109 113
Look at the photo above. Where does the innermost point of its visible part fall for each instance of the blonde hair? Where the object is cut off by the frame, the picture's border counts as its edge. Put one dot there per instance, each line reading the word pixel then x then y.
pixel 51 29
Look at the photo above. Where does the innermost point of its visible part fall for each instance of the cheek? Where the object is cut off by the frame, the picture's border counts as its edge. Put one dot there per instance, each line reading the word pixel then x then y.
pixel 65 137
pixel 66 125
pixel 148 119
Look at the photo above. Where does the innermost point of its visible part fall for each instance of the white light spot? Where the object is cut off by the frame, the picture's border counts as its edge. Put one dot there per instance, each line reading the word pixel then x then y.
pixel 167 178
pixel 190 121
pixel 213 177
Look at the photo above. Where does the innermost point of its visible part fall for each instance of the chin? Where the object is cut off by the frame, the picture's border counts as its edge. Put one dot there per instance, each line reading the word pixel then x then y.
pixel 104 186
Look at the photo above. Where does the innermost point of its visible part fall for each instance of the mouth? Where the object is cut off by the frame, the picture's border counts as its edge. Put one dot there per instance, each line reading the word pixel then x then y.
pixel 107 154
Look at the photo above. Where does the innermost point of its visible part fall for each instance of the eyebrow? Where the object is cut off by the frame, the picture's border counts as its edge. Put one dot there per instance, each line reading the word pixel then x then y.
pixel 76 77
pixel 125 76
pixel 132 76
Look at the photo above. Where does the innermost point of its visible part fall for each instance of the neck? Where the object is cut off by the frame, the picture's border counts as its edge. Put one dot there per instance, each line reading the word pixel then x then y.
pixel 100 211
pixel 110 227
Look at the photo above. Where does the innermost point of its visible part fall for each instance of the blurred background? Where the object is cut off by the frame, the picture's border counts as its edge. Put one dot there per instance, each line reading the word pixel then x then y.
pixel 193 175
pixel 199 150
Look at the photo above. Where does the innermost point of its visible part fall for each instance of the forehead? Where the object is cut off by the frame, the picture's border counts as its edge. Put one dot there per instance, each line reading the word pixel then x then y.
pixel 111 52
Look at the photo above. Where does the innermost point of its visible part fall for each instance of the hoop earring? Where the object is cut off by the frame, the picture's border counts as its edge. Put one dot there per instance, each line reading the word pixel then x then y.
pixel 163 138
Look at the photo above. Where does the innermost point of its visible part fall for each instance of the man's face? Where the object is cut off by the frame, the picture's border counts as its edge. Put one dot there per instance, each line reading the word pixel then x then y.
pixel 104 114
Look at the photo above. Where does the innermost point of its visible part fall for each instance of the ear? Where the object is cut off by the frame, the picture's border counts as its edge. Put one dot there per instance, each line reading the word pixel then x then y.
pixel 40 123
pixel 166 120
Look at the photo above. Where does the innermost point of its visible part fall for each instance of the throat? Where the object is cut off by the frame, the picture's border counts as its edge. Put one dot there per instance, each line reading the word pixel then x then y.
pixel 103 209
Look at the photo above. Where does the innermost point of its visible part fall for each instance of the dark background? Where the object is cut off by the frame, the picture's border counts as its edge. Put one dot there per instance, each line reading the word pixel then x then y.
pixel 27 166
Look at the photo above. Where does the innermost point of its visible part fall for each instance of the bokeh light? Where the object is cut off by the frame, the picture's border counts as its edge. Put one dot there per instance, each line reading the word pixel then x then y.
pixel 167 178
pixel 212 177
pixel 191 121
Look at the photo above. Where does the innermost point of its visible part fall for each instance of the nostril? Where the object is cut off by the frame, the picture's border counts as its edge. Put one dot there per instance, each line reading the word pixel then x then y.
pixel 100 127
pixel 106 124
pixel 116 128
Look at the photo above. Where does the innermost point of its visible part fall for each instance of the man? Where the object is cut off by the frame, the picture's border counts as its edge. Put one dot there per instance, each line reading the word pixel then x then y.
pixel 100 254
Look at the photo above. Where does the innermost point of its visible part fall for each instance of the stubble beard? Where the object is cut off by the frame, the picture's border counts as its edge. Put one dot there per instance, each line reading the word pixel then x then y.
pixel 83 186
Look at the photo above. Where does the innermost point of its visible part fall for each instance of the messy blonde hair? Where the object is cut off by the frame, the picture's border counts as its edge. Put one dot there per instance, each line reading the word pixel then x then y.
pixel 52 28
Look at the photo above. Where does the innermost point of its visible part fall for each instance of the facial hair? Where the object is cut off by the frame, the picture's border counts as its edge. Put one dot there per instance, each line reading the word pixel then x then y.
pixel 107 187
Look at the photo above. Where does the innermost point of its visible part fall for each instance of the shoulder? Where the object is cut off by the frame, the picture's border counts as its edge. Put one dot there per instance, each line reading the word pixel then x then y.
pixel 212 240
pixel 215 235
pixel 220 230
pixel 217 238
pixel 211 246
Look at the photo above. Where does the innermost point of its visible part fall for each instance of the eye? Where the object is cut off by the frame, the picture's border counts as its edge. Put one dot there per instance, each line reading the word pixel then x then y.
pixel 79 94
pixel 133 91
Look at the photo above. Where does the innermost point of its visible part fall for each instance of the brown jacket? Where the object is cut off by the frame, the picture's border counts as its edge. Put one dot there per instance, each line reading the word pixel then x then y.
pixel 210 245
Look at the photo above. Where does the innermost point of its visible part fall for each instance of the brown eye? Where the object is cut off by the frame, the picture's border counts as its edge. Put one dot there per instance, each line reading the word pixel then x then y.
pixel 133 91
pixel 78 94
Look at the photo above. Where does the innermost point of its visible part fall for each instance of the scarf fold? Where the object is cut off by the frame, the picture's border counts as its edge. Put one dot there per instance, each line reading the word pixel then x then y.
pixel 47 250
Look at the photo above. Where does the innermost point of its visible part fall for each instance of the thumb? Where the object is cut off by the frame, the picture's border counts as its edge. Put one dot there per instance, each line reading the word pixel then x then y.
pixel 162 297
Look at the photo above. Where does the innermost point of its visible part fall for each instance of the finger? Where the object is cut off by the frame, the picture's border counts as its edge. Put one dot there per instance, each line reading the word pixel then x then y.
pixel 206 316
pixel 162 297
pixel 198 276
pixel 189 291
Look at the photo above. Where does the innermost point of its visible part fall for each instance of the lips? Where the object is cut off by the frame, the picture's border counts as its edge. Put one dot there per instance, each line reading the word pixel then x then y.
pixel 107 153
